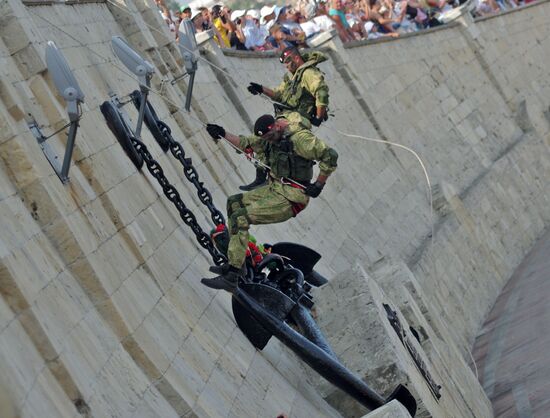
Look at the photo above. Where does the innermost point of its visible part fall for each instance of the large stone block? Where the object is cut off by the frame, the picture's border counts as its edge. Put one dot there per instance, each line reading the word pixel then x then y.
pixel 461 387
pixel 351 313
pixel 392 410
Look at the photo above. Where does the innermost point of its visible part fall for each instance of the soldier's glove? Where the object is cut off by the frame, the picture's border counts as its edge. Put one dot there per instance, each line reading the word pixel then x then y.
pixel 315 121
pixel 255 88
pixel 215 131
pixel 314 189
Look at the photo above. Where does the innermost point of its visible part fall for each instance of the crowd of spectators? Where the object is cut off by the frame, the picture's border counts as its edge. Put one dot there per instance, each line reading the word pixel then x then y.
pixel 275 27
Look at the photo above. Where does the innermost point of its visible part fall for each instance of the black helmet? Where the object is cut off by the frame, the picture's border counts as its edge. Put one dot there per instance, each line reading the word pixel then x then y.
pixel 263 125
pixel 287 52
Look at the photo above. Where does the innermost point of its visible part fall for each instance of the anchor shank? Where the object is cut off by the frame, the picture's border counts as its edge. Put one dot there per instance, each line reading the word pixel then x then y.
pixel 318 359
pixel 309 329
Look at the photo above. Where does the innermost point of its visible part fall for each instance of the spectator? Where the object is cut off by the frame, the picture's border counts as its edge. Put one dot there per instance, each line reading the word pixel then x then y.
pixel 254 34
pixel 486 7
pixel 322 19
pixel 206 18
pixel 309 27
pixel 238 39
pixel 288 20
pixel 280 38
pixel 223 24
pixel 185 12
pixel 196 18
pixel 281 27
pixel 371 30
pixel 307 8
pixel 269 15
pixel 165 13
pixel 336 12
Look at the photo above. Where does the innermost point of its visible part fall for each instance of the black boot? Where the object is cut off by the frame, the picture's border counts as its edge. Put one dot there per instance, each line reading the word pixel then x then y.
pixel 225 281
pixel 223 269
pixel 260 180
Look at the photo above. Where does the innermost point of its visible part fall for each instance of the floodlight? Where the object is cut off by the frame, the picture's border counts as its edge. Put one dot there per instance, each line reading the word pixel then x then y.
pixel 68 87
pixel 64 79
pixel 188 47
pixel 132 60
pixel 140 67
pixel 188 44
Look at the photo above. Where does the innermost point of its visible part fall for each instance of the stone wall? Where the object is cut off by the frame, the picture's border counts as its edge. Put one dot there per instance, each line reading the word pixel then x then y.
pixel 102 312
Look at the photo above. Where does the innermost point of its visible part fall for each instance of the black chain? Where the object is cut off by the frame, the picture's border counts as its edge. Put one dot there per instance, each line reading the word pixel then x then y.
pixel 172 194
pixel 191 174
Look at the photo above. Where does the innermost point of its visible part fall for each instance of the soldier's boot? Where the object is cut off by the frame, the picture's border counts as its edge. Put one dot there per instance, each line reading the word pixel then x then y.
pixel 224 268
pixel 260 180
pixel 228 280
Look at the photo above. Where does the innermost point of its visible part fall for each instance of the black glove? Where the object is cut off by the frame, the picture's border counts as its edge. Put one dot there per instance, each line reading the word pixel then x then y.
pixel 255 88
pixel 314 189
pixel 315 121
pixel 215 131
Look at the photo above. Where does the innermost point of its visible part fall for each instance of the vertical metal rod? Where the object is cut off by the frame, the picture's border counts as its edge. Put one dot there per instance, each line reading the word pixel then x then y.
pixel 189 91
pixel 64 175
pixel 144 93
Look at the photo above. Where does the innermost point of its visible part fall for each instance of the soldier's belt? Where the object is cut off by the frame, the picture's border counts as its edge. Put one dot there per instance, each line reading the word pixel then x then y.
pixel 289 182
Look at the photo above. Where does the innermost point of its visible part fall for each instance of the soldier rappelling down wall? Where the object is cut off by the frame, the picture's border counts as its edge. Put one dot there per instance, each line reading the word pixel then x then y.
pixel 302 90
pixel 287 145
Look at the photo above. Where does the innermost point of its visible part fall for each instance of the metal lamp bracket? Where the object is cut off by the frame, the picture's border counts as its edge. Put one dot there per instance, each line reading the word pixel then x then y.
pixel 115 100
pixel 68 87
pixel 142 68
pixel 188 48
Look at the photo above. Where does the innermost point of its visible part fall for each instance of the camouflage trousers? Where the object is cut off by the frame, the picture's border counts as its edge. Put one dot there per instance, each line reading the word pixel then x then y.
pixel 269 204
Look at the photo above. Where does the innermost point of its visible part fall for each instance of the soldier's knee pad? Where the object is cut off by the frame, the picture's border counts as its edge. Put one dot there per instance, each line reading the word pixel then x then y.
pixel 239 221
pixel 234 203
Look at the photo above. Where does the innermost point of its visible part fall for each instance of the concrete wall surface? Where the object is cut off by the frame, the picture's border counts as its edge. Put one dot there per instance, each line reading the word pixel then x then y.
pixel 101 309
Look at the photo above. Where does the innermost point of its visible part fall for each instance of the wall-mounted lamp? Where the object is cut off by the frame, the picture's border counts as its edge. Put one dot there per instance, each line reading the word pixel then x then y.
pixel 68 87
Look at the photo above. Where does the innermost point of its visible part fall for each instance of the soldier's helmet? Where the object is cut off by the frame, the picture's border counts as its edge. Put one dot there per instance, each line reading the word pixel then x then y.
pixel 287 52
pixel 263 125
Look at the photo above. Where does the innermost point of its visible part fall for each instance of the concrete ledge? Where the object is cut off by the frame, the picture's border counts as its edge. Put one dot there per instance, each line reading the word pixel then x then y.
pixel 250 54
pixel 203 37
pixel 39 2
pixel 355 44
pixel 507 12
pixel 321 38
pixel 392 410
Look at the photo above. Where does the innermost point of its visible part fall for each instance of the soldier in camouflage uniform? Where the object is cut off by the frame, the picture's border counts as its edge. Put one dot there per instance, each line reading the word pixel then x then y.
pixel 302 90
pixel 287 145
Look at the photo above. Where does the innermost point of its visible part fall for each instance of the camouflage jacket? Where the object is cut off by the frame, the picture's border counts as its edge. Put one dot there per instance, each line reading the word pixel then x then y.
pixel 303 144
pixel 306 89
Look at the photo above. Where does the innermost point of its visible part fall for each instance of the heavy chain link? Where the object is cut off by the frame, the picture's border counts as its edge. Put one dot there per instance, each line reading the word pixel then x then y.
pixel 191 174
pixel 172 194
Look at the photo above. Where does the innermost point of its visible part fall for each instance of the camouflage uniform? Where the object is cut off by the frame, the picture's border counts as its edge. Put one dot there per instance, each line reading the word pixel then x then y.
pixel 292 157
pixel 304 90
